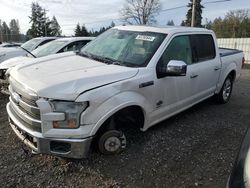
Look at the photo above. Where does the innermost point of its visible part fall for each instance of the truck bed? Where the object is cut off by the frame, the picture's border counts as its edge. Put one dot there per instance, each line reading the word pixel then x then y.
pixel 228 51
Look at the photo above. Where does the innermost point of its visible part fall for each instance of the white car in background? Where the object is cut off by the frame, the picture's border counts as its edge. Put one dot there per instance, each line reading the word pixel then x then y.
pixel 53 47
pixel 24 49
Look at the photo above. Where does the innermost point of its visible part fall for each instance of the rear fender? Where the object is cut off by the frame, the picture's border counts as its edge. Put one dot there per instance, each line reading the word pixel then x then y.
pixel 231 67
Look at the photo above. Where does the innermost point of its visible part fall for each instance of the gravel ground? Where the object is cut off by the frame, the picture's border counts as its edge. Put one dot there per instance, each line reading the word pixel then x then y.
pixel 193 149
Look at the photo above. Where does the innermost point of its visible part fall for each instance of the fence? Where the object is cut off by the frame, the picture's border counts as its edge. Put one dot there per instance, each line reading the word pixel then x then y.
pixel 237 43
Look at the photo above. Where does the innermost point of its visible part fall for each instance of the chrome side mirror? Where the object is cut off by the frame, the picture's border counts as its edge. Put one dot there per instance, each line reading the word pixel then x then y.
pixel 176 68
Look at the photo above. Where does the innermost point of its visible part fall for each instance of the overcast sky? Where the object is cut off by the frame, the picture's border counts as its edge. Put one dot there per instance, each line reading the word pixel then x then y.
pixel 96 13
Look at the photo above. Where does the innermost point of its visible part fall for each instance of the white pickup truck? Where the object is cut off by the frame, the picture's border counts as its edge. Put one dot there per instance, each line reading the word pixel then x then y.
pixel 130 76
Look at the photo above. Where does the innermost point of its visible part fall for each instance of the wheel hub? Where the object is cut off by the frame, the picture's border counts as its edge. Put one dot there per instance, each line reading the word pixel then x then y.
pixel 112 144
pixel 227 89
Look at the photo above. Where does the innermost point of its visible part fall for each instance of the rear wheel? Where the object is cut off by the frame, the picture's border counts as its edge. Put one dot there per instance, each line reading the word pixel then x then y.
pixel 112 142
pixel 226 91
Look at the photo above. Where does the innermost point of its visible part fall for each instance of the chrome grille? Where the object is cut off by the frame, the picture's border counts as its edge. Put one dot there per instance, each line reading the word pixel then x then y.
pixel 24 106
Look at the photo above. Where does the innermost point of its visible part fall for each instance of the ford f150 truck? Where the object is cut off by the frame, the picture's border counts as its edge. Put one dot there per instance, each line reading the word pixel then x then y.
pixel 128 77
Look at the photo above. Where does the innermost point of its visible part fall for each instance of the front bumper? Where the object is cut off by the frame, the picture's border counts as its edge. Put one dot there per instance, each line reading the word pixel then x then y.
pixel 70 148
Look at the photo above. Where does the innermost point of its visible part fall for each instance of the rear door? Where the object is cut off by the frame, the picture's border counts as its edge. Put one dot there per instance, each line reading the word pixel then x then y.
pixel 205 67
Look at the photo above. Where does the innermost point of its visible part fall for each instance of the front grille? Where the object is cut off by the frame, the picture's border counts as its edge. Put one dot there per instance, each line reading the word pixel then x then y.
pixel 24 107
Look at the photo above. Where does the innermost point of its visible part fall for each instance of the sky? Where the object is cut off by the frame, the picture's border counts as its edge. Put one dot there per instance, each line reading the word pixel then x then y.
pixel 97 13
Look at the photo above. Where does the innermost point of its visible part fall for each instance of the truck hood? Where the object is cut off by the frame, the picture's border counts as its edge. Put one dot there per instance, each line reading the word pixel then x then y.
pixel 65 78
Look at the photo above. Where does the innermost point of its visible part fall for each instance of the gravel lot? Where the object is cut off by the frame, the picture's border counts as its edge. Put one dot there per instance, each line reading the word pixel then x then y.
pixel 193 149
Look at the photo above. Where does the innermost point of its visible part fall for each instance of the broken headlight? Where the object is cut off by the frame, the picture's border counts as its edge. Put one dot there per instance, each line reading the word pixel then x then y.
pixel 72 111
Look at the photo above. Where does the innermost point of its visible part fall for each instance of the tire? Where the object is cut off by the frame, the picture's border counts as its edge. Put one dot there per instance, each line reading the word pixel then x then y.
pixel 112 142
pixel 225 93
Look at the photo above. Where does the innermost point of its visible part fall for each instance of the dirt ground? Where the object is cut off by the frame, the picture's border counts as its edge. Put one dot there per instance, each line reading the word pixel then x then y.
pixel 196 148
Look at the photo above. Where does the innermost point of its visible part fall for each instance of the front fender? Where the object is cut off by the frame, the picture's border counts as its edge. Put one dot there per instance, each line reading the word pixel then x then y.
pixel 99 115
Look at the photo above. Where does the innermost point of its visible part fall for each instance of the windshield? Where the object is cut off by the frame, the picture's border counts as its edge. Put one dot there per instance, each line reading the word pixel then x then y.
pixel 129 48
pixel 29 44
pixel 49 48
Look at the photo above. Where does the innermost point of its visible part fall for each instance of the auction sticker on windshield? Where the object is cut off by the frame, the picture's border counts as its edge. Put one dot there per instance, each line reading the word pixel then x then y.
pixel 145 37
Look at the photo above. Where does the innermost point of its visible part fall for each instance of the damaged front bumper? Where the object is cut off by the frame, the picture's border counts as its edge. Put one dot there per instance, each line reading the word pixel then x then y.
pixel 70 148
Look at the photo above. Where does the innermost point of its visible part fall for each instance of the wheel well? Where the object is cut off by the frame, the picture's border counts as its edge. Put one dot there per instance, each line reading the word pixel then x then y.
pixel 132 116
pixel 232 74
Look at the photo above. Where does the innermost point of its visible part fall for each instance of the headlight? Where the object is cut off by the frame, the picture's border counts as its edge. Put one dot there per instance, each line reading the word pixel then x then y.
pixel 72 112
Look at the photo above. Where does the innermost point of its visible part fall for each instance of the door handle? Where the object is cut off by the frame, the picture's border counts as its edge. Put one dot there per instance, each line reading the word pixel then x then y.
pixel 193 75
pixel 216 68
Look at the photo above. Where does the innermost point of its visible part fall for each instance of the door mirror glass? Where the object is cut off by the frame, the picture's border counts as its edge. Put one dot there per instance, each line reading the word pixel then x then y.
pixel 174 68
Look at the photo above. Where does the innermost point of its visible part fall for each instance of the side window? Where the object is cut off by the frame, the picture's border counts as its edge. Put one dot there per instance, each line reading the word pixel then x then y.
pixel 203 47
pixel 178 49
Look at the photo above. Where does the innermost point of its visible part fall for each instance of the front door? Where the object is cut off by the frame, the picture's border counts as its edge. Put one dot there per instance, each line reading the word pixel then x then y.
pixel 173 93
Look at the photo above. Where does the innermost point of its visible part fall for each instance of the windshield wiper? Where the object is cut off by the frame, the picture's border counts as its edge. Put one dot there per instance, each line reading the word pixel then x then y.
pixel 106 60
pixel 27 51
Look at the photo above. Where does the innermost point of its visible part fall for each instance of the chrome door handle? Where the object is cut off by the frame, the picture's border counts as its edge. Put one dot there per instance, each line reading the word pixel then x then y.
pixel 216 68
pixel 194 75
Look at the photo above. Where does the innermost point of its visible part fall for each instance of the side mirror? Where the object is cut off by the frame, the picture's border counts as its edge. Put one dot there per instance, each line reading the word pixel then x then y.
pixel 173 68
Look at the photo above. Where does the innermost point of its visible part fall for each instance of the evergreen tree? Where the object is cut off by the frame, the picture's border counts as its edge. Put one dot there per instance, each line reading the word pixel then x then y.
pixel 84 31
pixel 170 22
pixel 1 32
pixel 40 24
pixel 198 14
pixel 5 32
pixel 81 31
pixel 55 27
pixel 78 30
pixel 14 30
pixel 183 23
pixel 112 24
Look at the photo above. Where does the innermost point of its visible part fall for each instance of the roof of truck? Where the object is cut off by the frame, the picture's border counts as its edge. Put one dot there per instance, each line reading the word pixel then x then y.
pixel 161 29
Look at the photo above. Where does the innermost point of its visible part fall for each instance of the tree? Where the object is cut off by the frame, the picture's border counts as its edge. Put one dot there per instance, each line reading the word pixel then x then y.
pixel 81 31
pixel 170 22
pixel 238 21
pixel 236 24
pixel 14 30
pixel 5 32
pixel 1 31
pixel 198 14
pixel 55 27
pixel 140 11
pixel 78 30
pixel 183 23
pixel 40 23
pixel 112 24
pixel 84 31
pixel 37 21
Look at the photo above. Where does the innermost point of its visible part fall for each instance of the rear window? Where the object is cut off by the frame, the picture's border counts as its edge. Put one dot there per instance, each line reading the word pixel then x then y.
pixel 203 47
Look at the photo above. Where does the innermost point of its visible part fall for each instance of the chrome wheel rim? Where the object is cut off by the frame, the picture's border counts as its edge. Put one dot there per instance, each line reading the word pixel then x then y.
pixel 227 88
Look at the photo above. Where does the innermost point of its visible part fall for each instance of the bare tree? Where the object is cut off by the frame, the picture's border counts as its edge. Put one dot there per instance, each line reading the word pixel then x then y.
pixel 140 11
